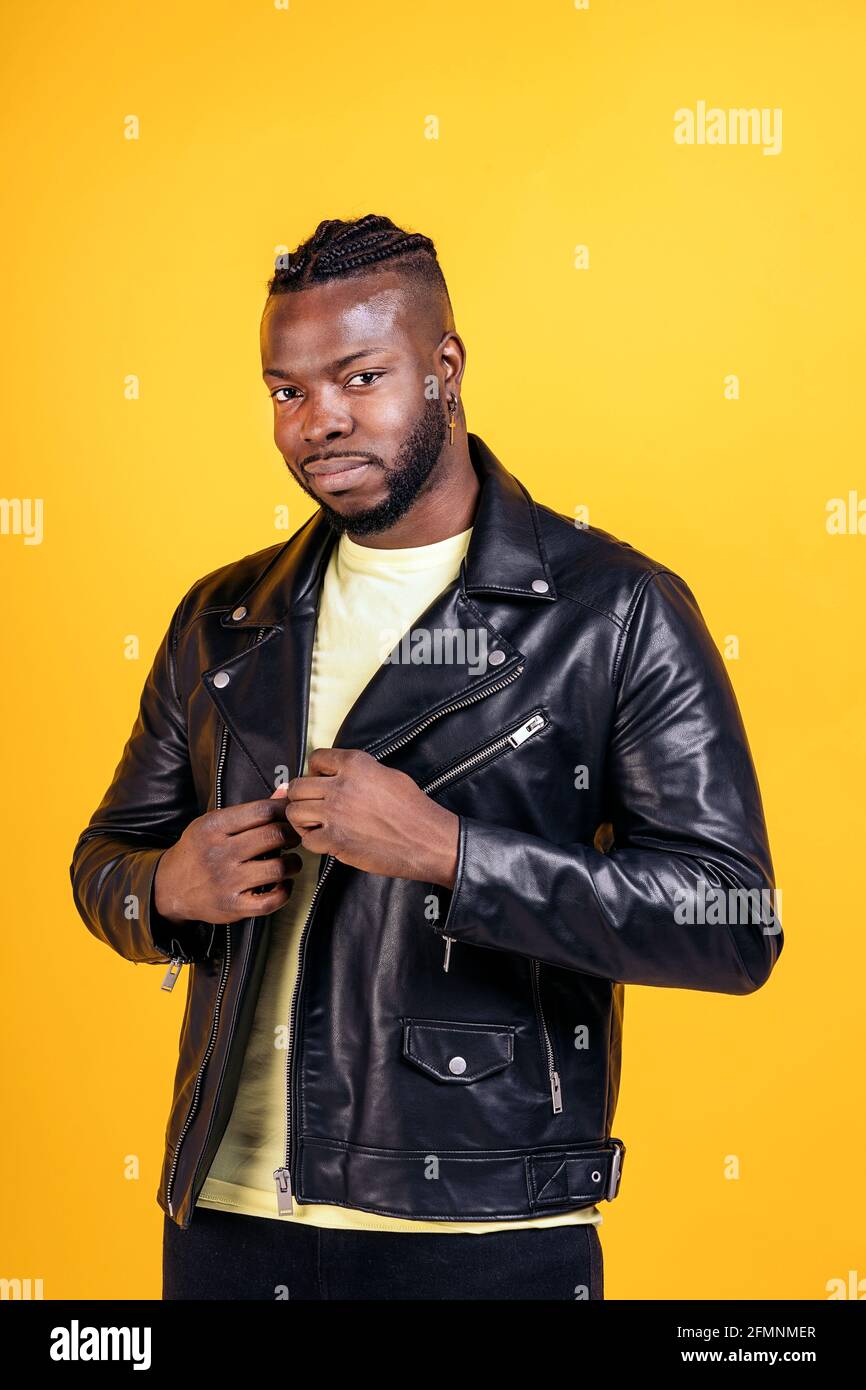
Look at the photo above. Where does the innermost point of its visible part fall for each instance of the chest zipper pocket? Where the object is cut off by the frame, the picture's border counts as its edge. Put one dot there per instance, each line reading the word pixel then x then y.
pixel 510 738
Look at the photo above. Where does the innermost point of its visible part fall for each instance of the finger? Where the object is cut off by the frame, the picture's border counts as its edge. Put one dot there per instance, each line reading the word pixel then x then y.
pixel 306 789
pixel 234 819
pixel 318 842
pixel 257 872
pixel 304 817
pixel 264 839
pixel 327 761
pixel 259 904
pixel 293 863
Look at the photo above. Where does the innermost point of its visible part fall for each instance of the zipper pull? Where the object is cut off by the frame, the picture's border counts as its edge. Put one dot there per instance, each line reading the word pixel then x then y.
pixel 284 1191
pixel 530 727
pixel 170 978
pixel 555 1092
pixel 448 940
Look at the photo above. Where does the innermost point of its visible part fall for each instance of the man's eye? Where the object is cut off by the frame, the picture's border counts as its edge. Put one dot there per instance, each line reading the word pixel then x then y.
pixel 276 393
pixel 371 374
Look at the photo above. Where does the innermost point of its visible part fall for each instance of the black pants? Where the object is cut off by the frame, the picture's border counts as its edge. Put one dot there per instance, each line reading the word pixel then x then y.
pixel 224 1255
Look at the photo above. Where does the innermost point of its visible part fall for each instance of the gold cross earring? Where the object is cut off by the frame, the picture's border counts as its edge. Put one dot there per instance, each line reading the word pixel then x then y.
pixel 452 411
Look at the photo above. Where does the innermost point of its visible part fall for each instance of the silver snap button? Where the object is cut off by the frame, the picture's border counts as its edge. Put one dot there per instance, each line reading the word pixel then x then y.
pixel 540 586
pixel 496 658
pixel 239 613
pixel 596 1176
pixel 221 678
pixel 457 1065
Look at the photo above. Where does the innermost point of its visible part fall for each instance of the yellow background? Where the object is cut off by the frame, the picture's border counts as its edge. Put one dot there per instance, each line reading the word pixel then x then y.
pixel 602 387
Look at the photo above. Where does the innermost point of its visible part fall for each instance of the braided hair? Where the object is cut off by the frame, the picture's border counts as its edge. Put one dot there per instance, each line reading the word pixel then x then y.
pixel 362 247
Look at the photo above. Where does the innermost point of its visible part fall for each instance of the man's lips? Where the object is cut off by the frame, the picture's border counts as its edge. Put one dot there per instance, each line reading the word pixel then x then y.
pixel 322 467
pixel 333 475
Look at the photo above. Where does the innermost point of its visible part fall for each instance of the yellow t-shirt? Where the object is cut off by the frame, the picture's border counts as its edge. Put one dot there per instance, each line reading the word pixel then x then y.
pixel 369 593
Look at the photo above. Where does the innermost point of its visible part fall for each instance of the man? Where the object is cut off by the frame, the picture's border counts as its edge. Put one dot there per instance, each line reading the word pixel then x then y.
pixel 415 794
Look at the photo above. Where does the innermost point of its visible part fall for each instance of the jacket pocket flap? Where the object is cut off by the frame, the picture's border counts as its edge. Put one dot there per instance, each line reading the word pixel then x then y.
pixel 454 1051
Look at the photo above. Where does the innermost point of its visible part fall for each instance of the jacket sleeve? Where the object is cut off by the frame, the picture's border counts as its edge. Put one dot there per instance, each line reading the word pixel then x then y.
pixel 146 808
pixel 686 896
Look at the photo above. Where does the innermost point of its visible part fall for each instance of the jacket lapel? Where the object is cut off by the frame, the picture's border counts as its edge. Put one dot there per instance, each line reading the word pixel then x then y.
pixel 262 692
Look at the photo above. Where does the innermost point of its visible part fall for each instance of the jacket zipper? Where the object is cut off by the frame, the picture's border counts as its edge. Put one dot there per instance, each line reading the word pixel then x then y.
pixel 514 739
pixel 555 1089
pixel 223 980
pixel 283 1176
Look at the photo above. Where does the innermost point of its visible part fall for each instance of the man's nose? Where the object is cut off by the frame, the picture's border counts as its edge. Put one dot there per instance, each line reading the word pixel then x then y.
pixel 324 418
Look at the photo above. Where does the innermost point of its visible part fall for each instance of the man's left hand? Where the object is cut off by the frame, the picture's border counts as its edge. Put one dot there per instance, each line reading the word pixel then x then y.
pixel 372 817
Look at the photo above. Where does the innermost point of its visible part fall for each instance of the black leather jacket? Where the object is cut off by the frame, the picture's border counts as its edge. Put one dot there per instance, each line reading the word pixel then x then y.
pixel 453 1055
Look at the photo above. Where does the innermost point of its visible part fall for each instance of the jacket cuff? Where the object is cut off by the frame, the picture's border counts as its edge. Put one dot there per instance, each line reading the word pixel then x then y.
pixel 502 895
pixel 184 941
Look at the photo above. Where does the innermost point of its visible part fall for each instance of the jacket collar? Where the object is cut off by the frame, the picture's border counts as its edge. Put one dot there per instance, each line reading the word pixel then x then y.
pixel 505 554
pixel 262 692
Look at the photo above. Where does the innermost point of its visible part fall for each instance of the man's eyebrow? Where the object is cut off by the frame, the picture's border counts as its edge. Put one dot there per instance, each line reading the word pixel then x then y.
pixel 332 367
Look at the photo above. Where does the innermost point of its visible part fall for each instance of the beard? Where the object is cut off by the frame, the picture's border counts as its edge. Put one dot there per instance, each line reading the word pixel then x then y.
pixel 415 462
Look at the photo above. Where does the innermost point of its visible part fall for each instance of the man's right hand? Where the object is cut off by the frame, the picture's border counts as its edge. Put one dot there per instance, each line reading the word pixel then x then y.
pixel 210 873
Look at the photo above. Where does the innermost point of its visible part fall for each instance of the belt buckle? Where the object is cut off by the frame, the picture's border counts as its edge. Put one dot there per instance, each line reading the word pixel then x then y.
pixel 615 1169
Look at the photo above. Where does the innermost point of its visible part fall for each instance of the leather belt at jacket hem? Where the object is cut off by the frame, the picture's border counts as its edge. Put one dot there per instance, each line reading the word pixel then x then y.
pixel 461 1185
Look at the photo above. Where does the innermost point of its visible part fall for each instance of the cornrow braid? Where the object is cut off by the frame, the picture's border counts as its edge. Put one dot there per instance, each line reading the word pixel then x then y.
pixel 340 249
